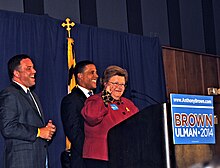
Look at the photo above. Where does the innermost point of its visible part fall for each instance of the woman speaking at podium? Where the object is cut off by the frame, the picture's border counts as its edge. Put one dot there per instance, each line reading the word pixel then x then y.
pixel 102 112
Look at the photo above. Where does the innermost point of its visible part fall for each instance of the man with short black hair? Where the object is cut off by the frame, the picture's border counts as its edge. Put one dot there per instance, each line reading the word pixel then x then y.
pixel 86 78
pixel 22 121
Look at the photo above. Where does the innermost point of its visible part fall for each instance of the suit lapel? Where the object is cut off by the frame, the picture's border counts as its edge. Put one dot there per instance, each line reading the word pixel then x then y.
pixel 80 94
pixel 22 92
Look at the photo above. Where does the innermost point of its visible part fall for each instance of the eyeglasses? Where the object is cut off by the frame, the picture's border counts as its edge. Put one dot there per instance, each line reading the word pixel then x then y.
pixel 118 84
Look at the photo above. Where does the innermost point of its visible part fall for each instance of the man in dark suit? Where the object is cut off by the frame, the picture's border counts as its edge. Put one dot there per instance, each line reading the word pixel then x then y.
pixel 71 105
pixel 22 120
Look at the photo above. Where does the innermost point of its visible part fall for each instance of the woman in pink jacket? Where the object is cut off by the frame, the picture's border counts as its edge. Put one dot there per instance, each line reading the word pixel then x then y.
pixel 102 112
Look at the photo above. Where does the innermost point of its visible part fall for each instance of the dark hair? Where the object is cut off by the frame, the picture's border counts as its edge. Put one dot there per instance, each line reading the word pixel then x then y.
pixel 80 66
pixel 14 62
pixel 112 71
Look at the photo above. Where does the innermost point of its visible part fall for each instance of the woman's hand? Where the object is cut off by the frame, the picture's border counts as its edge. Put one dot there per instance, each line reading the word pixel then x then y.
pixel 106 97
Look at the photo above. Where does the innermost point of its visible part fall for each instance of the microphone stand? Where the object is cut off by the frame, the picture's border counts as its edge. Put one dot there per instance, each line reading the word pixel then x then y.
pixel 166 132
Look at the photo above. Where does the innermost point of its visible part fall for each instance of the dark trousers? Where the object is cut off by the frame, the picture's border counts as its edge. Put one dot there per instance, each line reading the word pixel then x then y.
pixel 93 163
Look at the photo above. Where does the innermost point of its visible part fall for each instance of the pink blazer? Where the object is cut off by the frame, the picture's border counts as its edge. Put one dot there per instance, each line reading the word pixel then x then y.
pixel 99 120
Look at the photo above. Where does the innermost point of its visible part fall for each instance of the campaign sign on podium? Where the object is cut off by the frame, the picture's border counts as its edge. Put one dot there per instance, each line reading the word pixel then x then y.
pixel 192 119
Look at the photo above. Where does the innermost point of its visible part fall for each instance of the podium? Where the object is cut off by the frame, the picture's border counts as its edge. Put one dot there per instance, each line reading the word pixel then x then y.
pixel 138 142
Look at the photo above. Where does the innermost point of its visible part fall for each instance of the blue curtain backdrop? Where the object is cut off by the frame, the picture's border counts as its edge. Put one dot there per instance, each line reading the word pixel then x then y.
pixel 44 39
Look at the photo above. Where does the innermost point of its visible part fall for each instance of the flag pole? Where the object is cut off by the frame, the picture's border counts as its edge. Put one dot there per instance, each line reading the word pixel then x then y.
pixel 71 62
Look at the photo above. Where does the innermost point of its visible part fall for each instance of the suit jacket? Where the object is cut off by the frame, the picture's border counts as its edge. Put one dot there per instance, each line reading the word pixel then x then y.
pixel 19 122
pixel 73 124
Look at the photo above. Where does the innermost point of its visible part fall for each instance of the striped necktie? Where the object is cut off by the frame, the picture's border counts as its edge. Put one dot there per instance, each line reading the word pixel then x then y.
pixel 31 97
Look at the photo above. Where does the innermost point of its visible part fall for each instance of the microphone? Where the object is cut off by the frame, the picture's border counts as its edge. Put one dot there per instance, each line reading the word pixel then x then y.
pixel 140 93
pixel 140 98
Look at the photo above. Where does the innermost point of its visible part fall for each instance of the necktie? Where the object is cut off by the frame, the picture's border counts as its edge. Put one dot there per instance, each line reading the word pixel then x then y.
pixel 31 97
pixel 90 93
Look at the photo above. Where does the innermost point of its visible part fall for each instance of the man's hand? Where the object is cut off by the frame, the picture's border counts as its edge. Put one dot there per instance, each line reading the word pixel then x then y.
pixel 48 131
